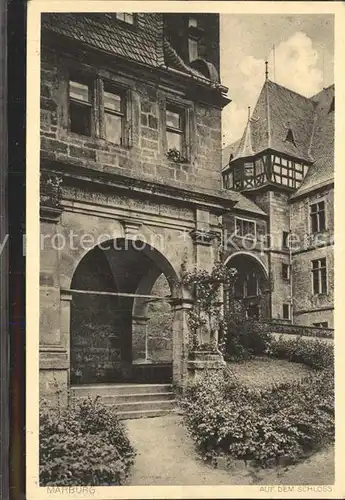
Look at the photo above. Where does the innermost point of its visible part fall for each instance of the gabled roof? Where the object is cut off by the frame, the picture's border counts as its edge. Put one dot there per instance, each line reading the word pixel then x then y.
pixel 311 121
pixel 321 172
pixel 277 111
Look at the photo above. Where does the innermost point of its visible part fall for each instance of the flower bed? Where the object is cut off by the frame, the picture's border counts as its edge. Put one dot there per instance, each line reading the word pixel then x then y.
pixel 84 444
pixel 288 420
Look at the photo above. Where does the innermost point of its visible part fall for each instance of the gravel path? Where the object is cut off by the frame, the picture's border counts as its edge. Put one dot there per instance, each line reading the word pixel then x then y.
pixel 166 456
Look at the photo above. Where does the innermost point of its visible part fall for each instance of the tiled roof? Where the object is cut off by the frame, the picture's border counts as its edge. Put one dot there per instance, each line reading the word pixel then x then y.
pixel 277 110
pixel 143 42
pixel 311 121
pixel 245 204
pixel 105 32
pixel 229 150
pixel 321 172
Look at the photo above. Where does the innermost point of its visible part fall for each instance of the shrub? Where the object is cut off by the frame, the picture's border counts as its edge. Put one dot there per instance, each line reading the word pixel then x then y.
pixel 244 338
pixel 316 353
pixel 289 420
pixel 83 444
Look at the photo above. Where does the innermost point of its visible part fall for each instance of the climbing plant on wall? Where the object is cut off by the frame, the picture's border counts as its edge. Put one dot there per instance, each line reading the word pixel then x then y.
pixel 205 313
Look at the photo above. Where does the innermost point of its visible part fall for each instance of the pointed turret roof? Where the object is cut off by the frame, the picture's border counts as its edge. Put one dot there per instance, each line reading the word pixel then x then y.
pixel 277 111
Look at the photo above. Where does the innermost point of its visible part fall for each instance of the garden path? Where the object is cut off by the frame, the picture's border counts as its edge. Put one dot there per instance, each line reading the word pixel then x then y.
pixel 166 456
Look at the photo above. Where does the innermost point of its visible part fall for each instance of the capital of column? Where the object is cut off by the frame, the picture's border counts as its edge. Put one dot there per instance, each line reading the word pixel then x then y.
pixel 203 237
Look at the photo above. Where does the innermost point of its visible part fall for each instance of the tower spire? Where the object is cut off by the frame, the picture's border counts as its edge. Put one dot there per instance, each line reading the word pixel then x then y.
pixel 266 70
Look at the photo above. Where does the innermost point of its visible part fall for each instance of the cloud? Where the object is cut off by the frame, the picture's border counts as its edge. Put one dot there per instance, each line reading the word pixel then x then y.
pixel 295 67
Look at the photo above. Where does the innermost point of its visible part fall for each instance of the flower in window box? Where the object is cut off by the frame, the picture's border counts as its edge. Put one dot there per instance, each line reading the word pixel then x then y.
pixel 176 156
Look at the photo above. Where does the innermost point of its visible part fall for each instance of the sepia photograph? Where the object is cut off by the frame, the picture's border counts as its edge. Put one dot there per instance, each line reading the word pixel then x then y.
pixel 186 250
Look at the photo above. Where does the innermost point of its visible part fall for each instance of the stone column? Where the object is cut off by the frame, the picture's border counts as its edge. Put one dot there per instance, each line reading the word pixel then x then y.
pixel 206 254
pixel 180 343
pixel 54 362
pixel 139 339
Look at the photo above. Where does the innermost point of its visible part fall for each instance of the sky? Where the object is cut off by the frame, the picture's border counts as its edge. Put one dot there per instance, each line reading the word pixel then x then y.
pixel 304 59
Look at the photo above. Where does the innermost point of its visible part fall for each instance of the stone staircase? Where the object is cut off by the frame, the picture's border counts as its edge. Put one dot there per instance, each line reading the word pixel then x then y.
pixel 131 400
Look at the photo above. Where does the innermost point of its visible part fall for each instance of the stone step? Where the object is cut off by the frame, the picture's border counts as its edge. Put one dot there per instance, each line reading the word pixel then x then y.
pixel 143 405
pixel 136 398
pixel 128 415
pixel 118 389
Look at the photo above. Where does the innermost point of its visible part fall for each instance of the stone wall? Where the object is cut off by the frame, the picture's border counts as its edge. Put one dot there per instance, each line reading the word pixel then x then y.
pixel 310 308
pixel 145 154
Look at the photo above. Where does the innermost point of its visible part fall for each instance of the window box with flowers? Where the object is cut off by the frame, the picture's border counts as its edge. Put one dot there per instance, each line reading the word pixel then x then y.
pixel 177 134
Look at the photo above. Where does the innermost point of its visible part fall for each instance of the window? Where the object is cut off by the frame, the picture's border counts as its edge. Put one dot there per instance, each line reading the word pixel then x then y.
pixel 126 17
pixel 114 115
pixel 251 285
pixel 287 172
pixel 248 170
pixel 194 35
pixel 80 108
pixel 244 227
pixel 290 137
pixel 319 272
pixel 322 324
pixel 175 128
pixel 286 311
pixel 286 272
pixel 286 239
pixel 317 217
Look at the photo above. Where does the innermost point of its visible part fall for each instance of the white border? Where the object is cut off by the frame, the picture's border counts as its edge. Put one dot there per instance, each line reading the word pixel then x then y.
pixel 35 7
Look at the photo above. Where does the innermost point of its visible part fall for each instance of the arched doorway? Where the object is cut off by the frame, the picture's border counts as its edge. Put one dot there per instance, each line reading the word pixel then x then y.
pixel 121 318
pixel 251 287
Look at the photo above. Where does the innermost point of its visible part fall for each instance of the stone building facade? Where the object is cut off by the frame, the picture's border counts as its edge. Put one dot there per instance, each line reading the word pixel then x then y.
pixel 131 187
pixel 284 165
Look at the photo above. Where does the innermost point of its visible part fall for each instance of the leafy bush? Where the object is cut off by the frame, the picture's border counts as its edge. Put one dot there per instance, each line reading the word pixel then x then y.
pixel 83 444
pixel 243 338
pixel 318 354
pixel 289 420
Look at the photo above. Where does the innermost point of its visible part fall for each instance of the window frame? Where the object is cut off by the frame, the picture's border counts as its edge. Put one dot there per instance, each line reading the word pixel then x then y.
pixel 288 317
pixel 184 131
pixel 288 268
pixel 312 204
pixel 319 270
pixel 111 87
pixel 133 15
pixel 97 84
pixel 286 235
pixel 243 219
pixel 88 81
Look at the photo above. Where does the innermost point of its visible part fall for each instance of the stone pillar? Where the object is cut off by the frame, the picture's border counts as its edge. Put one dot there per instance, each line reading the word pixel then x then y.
pixel 206 253
pixel 54 362
pixel 139 339
pixel 180 343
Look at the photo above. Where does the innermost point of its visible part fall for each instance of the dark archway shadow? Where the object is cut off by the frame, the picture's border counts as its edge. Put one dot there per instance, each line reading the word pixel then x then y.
pixel 101 333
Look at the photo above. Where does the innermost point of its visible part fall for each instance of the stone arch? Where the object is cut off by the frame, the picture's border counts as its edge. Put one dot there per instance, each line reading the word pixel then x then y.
pixel 251 289
pixel 251 256
pixel 128 267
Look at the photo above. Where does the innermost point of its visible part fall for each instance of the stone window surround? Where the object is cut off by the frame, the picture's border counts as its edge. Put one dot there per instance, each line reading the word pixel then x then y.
pixel 246 220
pixel 96 83
pixel 187 108
pixel 319 270
pixel 287 307
pixel 125 85
pixel 314 202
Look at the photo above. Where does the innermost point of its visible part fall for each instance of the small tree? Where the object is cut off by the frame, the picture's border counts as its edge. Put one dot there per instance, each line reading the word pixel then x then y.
pixel 206 310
